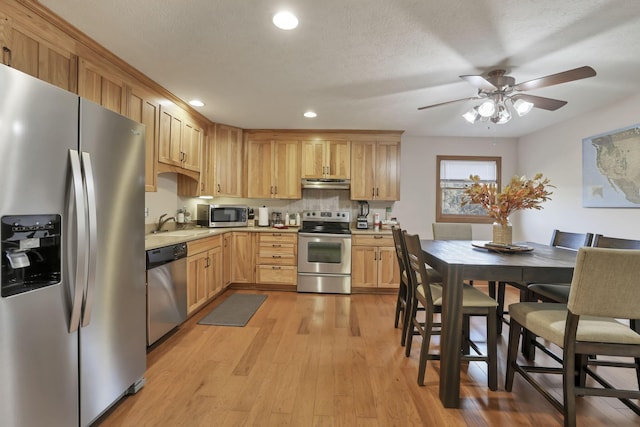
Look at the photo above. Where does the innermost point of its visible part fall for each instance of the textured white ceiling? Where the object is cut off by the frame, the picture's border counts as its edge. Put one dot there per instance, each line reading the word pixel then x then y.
pixel 368 64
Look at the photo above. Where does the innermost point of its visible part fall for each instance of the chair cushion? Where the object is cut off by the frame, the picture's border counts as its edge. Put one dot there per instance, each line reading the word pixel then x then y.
pixel 558 292
pixel 471 297
pixel 547 320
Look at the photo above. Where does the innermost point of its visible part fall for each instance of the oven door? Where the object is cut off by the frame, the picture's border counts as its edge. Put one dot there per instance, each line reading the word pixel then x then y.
pixel 324 253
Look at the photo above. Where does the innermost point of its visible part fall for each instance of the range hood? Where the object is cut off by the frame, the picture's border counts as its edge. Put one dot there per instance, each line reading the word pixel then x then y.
pixel 326 183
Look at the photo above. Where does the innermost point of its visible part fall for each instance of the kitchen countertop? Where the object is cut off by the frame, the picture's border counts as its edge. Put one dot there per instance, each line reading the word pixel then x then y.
pixel 167 238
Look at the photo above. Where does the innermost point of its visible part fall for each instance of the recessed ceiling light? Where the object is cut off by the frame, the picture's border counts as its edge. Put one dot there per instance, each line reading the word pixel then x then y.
pixel 310 114
pixel 196 103
pixel 285 20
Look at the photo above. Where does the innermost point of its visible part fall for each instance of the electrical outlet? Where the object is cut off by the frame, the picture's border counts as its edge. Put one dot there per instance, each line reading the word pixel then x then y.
pixel 146 212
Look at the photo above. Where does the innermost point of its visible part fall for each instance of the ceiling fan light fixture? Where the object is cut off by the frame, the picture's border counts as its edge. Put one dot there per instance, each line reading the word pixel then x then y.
pixel 487 108
pixel 472 115
pixel 502 116
pixel 522 107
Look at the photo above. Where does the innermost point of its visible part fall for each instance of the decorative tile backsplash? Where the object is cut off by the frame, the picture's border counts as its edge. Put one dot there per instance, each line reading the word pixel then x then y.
pixel 166 201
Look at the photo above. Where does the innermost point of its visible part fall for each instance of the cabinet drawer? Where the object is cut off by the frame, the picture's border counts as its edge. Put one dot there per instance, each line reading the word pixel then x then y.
pixel 290 238
pixel 277 259
pixel 201 245
pixel 284 275
pixel 277 248
pixel 373 240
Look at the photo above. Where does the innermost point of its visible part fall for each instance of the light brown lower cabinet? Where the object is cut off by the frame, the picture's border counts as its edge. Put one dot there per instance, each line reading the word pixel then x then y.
pixel 242 263
pixel 204 271
pixel 373 262
pixel 276 258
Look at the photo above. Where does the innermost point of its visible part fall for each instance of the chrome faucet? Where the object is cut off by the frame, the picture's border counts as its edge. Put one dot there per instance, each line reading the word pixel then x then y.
pixel 162 222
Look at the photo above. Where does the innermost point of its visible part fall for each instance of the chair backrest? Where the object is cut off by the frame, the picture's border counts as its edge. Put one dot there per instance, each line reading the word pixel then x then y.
pixel 601 241
pixel 451 231
pixel 401 252
pixel 567 240
pixel 416 268
pixel 605 283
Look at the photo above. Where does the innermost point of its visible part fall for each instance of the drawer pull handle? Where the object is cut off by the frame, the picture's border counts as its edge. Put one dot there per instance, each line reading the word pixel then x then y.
pixel 378 237
pixel 276 246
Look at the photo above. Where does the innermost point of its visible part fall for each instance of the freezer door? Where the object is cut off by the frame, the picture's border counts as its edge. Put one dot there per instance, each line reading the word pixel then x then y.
pixel 38 355
pixel 113 332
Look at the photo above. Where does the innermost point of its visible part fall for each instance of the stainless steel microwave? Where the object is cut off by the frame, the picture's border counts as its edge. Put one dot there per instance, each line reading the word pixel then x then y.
pixel 222 215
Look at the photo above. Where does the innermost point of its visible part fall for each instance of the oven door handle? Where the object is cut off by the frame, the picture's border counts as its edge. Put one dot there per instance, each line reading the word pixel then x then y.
pixel 335 236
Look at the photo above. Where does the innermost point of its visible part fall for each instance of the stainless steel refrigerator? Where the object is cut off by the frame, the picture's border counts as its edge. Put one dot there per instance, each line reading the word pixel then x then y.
pixel 72 309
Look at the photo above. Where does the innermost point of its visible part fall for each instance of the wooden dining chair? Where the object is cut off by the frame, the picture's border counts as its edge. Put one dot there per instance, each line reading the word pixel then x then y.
pixel 426 292
pixel 402 307
pixel 559 292
pixel 584 326
pixel 464 231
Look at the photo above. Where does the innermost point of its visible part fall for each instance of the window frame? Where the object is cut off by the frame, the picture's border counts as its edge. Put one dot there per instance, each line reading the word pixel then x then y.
pixel 476 219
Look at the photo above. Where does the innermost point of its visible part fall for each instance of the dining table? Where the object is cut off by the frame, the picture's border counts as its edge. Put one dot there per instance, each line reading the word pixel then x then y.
pixel 460 260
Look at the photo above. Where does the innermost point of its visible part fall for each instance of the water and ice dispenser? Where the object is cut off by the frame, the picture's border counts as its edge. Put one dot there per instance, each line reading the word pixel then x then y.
pixel 31 252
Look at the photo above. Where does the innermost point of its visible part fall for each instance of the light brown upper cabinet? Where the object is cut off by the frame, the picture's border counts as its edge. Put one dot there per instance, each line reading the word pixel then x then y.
pixel 180 143
pixel 227 149
pixel 326 159
pixel 144 107
pixel 101 86
pixel 375 170
pixel 32 50
pixel 273 169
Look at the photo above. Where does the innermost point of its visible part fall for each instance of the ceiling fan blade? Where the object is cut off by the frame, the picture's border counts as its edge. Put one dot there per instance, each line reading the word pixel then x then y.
pixel 448 102
pixel 480 82
pixel 540 102
pixel 554 79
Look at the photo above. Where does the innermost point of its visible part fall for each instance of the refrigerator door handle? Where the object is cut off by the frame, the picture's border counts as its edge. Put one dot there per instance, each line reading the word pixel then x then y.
pixel 80 277
pixel 93 237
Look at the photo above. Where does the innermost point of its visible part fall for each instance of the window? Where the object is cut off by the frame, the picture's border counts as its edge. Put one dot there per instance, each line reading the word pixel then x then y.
pixel 452 176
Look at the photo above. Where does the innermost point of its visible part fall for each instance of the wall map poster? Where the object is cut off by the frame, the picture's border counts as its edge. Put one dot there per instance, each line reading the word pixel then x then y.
pixel 611 169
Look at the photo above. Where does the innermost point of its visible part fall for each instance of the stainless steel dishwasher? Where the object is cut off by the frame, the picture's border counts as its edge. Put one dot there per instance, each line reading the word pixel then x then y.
pixel 166 290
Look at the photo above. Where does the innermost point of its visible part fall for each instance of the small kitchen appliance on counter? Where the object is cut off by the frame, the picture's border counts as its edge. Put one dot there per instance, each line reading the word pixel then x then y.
pixel 361 220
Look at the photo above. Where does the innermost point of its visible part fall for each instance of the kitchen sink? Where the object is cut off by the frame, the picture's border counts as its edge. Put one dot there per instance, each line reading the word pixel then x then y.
pixel 178 233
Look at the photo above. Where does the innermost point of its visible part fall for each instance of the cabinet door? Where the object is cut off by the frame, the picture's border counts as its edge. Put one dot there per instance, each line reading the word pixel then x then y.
pixel 362 171
pixel 34 55
pixel 197 272
pixel 364 266
pixel 170 138
pixel 242 253
pixel 102 87
pixel 191 146
pixel 216 265
pixel 312 159
pixel 226 259
pixel 287 169
pixel 387 171
pixel 260 169
pixel 388 269
pixel 228 161
pixel 144 109
pixel 338 159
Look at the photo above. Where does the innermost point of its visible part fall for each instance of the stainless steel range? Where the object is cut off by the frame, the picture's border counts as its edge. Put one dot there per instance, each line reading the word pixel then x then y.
pixel 324 252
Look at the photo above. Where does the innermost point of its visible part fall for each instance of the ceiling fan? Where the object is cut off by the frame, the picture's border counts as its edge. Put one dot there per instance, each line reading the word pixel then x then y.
pixel 498 90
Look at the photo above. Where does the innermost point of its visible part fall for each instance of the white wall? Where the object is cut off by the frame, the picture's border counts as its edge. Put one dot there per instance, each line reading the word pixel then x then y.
pixel 416 209
pixel 557 152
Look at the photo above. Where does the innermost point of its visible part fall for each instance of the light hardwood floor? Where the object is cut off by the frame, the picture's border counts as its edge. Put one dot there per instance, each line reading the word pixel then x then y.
pixel 327 360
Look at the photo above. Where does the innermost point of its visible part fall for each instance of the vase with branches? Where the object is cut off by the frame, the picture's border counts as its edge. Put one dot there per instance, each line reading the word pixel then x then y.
pixel 521 193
